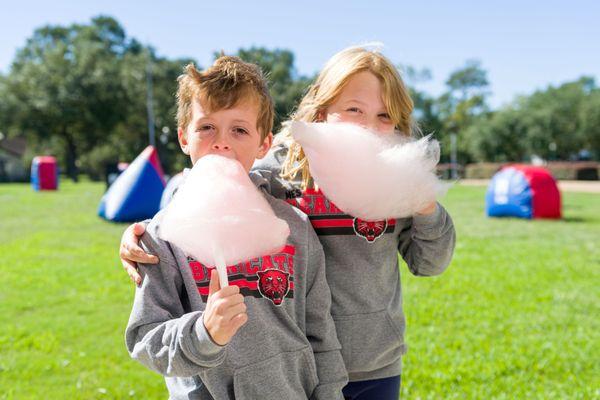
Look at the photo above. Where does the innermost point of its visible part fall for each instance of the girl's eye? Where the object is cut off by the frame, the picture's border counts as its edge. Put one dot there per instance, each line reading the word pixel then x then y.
pixel 385 116
pixel 353 109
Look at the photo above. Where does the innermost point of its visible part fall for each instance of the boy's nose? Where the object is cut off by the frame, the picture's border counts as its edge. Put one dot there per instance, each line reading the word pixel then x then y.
pixel 221 146
pixel 221 143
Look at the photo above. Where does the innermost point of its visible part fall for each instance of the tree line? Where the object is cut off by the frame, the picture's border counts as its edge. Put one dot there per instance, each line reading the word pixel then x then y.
pixel 80 92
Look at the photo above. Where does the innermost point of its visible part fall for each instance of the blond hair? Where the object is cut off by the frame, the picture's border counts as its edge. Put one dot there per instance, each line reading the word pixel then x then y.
pixel 328 86
pixel 228 82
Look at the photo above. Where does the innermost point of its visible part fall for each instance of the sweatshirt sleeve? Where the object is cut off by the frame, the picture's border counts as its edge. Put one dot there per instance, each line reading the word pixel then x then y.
pixel 427 244
pixel 320 328
pixel 160 334
pixel 269 168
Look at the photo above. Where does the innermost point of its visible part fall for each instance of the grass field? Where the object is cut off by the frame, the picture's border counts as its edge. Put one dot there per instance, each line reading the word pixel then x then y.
pixel 515 317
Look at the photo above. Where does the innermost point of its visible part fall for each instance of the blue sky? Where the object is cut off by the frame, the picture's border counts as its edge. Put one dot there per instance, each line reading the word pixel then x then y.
pixel 524 45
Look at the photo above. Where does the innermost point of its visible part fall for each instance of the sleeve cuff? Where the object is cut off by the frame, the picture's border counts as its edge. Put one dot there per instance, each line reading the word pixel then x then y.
pixel 206 344
pixel 202 348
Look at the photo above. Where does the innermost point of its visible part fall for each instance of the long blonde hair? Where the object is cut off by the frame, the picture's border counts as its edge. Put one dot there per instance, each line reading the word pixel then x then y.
pixel 327 87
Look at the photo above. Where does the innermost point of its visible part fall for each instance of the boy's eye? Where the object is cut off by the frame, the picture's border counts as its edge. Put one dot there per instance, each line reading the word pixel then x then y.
pixel 353 109
pixel 240 131
pixel 203 128
pixel 385 116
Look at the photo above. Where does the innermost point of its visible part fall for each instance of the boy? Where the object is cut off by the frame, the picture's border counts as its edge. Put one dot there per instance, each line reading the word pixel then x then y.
pixel 223 343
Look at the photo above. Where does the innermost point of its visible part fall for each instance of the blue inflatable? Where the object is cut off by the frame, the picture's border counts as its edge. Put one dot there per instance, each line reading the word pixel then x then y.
pixel 135 195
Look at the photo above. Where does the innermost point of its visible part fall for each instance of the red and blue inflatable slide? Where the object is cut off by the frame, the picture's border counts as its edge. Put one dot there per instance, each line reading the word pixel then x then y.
pixel 135 194
pixel 523 191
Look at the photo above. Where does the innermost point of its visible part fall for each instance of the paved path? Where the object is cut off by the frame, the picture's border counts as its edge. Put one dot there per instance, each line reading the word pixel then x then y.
pixel 566 186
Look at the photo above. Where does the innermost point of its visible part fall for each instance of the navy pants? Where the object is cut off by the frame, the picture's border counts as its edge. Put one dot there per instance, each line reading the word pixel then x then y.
pixel 376 389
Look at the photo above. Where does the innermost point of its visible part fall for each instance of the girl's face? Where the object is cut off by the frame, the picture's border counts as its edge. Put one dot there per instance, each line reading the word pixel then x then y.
pixel 361 103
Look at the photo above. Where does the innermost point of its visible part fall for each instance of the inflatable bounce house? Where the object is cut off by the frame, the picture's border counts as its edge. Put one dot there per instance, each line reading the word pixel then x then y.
pixel 135 195
pixel 523 191
pixel 44 173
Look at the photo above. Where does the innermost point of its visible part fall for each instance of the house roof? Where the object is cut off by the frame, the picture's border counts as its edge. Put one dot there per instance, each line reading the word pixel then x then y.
pixel 15 146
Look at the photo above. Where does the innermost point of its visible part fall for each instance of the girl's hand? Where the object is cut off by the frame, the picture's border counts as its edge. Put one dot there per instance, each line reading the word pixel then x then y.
pixel 430 209
pixel 225 311
pixel 130 252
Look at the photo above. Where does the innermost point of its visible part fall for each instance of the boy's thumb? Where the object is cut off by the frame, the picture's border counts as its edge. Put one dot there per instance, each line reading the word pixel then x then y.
pixel 214 285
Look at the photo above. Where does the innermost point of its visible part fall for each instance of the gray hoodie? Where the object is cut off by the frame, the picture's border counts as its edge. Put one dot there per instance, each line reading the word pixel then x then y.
pixel 362 270
pixel 288 349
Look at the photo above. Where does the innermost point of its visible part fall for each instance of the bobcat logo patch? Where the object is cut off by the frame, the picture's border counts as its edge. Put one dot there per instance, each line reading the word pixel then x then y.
pixel 369 230
pixel 273 284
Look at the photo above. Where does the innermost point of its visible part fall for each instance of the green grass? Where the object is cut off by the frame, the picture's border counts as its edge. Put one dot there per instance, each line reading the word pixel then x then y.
pixel 515 316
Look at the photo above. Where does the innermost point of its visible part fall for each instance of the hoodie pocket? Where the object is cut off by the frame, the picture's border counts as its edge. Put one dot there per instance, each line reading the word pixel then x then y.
pixel 290 375
pixel 369 341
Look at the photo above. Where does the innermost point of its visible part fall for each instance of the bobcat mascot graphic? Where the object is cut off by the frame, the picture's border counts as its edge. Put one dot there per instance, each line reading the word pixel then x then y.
pixel 368 230
pixel 273 284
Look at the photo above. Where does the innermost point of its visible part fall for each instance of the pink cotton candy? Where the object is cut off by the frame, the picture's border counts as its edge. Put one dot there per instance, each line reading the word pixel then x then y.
pixel 368 175
pixel 220 218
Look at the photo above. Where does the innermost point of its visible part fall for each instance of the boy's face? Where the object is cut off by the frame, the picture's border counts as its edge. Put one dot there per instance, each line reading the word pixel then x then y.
pixel 229 132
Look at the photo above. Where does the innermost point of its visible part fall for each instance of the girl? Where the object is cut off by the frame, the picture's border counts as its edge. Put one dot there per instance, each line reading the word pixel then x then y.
pixel 360 86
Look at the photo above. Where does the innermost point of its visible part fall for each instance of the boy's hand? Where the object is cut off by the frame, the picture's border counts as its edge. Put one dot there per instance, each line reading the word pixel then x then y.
pixel 225 311
pixel 130 252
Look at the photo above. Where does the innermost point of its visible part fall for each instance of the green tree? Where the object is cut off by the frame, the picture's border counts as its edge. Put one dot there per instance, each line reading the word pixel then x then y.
pixel 589 117
pixel 130 135
pixel 80 91
pixel 468 81
pixel 287 87
pixel 463 103
pixel 65 83
pixel 425 109
pixel 553 119
pixel 498 137
pixel 555 123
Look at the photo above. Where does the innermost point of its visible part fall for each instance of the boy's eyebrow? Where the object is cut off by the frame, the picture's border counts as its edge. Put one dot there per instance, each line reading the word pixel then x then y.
pixel 201 120
pixel 207 118
pixel 242 120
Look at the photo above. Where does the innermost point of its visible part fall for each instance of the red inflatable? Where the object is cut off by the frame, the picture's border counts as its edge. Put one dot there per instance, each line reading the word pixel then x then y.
pixel 44 173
